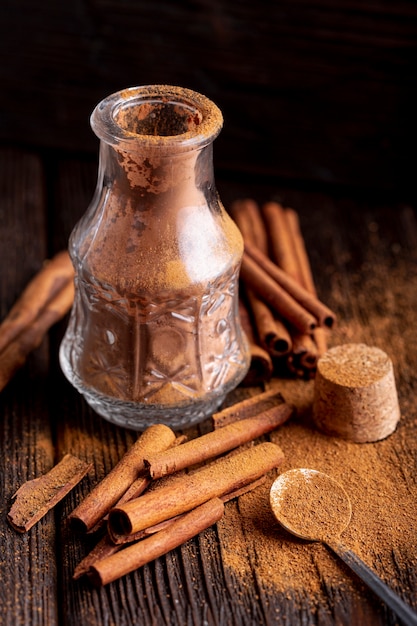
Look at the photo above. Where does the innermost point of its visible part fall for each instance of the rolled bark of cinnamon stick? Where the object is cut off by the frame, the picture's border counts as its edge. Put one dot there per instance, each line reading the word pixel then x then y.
pixel 120 539
pixel 247 408
pixel 272 292
pixel 261 367
pixel 324 315
pixel 107 492
pixel 280 239
pixel 192 490
pixel 104 548
pixel 248 217
pixel 15 353
pixel 303 269
pixel 288 250
pixel 137 555
pixel 134 491
pixel 217 442
pixel 110 545
pixel 272 333
pixel 305 351
pixel 320 339
pixel 37 496
pixel 55 274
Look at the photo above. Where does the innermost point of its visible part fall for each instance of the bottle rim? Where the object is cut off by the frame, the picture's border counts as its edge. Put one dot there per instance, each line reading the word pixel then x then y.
pixel 158 117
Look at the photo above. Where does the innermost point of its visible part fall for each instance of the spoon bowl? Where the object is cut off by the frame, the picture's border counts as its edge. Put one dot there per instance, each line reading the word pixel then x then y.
pixel 310 504
pixel 313 506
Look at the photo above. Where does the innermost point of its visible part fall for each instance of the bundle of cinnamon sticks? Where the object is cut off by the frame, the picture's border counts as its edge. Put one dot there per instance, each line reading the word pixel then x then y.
pixel 286 324
pixel 165 490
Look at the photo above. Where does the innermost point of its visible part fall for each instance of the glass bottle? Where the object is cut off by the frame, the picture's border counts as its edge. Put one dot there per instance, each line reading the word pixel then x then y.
pixel 154 334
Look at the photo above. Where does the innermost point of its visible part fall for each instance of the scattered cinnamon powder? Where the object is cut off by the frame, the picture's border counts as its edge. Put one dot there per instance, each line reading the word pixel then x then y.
pixel 379 477
pixel 382 530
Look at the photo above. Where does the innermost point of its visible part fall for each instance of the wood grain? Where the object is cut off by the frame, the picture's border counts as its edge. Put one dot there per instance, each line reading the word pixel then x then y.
pixel 28 568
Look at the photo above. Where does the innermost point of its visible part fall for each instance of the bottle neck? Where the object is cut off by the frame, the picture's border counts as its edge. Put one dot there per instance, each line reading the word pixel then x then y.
pixel 156 141
pixel 187 176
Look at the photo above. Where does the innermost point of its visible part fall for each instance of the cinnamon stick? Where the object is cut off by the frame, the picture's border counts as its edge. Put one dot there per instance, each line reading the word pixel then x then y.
pixel 304 351
pixel 191 490
pixel 278 327
pixel 217 442
pixel 93 562
pixel 134 491
pixel 107 492
pixel 281 243
pixel 55 274
pixel 247 215
pixel 303 268
pixel 320 339
pixel 37 496
pixel 272 292
pixel 324 315
pixel 271 333
pixel 247 408
pixel 137 555
pixel 104 548
pixel 120 539
pixel 260 369
pixel 306 276
pixel 15 353
pixel 109 544
pixel 293 368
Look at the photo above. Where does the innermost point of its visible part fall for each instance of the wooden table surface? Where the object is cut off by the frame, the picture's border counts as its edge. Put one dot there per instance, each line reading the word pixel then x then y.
pixel 363 251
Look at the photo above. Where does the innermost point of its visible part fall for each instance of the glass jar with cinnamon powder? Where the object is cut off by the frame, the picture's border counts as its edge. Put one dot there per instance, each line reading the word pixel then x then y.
pixel 154 333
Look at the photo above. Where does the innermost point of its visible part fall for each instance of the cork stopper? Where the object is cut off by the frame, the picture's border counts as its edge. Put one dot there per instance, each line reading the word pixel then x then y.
pixel 355 396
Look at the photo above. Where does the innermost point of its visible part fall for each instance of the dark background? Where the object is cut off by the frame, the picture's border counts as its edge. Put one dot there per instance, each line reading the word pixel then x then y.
pixel 318 92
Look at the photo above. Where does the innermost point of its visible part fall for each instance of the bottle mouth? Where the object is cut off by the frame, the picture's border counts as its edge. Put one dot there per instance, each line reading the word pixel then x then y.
pixel 157 116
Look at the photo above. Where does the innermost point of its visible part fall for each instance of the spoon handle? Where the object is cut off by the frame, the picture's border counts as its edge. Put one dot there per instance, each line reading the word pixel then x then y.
pixel 385 593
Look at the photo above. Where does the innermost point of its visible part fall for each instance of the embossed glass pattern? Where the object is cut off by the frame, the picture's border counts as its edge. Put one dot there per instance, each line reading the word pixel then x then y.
pixel 154 333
